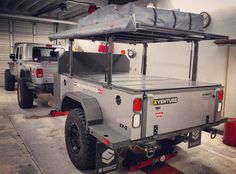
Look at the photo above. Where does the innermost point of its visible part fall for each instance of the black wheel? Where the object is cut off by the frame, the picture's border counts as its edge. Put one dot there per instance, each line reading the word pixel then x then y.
pixel 81 146
pixel 24 95
pixel 9 81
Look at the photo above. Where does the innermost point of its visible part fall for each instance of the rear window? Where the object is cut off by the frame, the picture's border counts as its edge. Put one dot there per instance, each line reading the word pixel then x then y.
pixel 46 54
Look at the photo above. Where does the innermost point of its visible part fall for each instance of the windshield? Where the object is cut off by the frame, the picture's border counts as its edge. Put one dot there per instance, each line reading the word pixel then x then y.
pixel 46 54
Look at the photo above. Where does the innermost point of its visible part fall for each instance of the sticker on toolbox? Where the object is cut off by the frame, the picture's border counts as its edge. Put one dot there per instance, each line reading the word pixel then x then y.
pixel 164 101
pixel 90 88
pixel 159 114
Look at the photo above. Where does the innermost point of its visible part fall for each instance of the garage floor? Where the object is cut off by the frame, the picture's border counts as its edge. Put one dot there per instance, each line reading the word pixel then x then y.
pixel 32 142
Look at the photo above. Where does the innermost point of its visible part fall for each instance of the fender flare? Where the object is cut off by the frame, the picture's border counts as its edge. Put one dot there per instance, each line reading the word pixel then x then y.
pixel 27 75
pixel 90 105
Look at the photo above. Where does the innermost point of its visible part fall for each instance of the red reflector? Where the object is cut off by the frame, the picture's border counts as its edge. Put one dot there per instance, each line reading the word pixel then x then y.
pixel 106 141
pixel 137 104
pixel 92 9
pixel 220 95
pixel 48 46
pixel 39 73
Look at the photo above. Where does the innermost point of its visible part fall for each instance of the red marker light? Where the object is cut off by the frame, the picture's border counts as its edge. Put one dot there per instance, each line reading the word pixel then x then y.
pixel 220 95
pixel 106 141
pixel 137 104
pixel 92 8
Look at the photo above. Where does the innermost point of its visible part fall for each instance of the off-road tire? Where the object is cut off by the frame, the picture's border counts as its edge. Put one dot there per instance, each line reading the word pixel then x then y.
pixel 24 95
pixel 81 146
pixel 9 81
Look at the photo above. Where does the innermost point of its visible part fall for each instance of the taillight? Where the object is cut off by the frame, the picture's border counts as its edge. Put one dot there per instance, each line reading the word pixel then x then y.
pixel 220 96
pixel 137 105
pixel 39 73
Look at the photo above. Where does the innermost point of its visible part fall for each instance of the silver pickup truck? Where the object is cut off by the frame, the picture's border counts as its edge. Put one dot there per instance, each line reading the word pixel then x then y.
pixel 32 66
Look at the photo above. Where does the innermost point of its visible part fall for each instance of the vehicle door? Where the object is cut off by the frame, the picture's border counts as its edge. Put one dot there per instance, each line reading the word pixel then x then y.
pixel 13 64
pixel 19 60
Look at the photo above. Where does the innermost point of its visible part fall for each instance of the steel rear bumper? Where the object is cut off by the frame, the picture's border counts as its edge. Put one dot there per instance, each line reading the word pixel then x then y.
pixel 115 140
pixel 42 88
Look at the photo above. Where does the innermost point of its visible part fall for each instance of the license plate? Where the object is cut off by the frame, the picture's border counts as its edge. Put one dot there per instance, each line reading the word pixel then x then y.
pixel 194 138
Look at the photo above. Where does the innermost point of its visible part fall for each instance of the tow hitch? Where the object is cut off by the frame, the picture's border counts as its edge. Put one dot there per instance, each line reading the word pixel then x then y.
pixel 148 154
pixel 213 132
pixel 150 149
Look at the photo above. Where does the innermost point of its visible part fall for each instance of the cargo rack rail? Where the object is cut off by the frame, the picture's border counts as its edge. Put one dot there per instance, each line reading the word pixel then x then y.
pixel 143 34
pixel 153 34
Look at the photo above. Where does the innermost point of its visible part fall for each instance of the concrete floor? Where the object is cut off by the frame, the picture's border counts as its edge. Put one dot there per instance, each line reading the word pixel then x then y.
pixel 32 142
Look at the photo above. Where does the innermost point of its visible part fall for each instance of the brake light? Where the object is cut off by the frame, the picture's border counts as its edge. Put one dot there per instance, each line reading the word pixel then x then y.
pixel 137 104
pixel 220 95
pixel 39 73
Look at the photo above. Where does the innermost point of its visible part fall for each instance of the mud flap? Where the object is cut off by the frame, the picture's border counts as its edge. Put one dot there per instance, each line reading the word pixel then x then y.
pixel 194 138
pixel 106 159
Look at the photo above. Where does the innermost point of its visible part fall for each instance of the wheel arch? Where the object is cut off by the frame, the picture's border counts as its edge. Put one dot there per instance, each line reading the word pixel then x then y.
pixel 22 74
pixel 25 74
pixel 90 105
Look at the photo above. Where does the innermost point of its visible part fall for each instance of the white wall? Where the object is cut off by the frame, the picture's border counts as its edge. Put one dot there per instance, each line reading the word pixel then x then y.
pixel 230 109
pixel 212 58
pixel 195 6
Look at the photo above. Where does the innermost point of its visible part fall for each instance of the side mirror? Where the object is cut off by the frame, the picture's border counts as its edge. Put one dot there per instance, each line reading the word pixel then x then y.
pixel 12 56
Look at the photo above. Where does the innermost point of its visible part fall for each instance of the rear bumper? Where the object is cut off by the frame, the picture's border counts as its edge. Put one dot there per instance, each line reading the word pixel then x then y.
pixel 118 141
pixel 185 131
pixel 42 88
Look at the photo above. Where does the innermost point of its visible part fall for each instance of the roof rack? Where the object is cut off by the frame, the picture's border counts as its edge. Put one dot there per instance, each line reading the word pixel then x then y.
pixel 154 34
pixel 142 34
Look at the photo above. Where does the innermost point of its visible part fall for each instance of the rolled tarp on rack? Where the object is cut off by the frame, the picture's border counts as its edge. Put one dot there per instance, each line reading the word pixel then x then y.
pixel 124 18
pixel 146 16
pixel 119 25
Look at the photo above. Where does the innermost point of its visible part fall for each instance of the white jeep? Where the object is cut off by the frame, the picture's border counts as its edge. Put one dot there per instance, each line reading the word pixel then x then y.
pixel 32 66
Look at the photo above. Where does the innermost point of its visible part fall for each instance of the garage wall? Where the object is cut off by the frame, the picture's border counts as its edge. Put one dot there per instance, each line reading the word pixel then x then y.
pixel 195 6
pixel 42 31
pixel 22 31
pixel 212 58
pixel 230 109
pixel 4 47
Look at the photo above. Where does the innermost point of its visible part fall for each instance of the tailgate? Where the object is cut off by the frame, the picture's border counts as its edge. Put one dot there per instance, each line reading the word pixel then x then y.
pixel 180 109
pixel 49 68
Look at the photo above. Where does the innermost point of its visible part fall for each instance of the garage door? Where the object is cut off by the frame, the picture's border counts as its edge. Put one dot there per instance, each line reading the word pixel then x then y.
pixel 22 31
pixel 42 32
pixel 4 48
